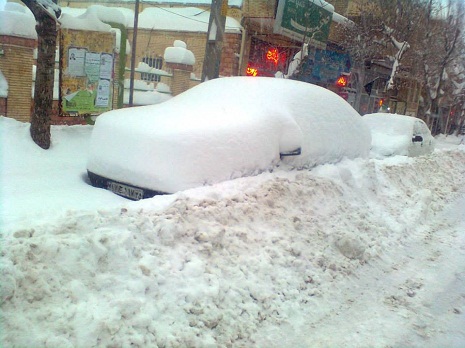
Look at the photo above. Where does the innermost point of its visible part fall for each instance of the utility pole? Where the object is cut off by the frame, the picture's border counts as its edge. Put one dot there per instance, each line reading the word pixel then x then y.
pixel 133 53
pixel 216 27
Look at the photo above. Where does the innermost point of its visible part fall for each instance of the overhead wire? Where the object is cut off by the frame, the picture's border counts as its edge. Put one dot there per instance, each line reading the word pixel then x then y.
pixel 180 15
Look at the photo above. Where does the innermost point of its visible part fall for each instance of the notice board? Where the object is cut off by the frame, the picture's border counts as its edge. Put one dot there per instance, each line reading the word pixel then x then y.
pixel 86 72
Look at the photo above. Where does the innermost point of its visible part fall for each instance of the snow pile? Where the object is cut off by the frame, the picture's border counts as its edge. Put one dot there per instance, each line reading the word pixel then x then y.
pixel 147 97
pixel 278 260
pixel 63 166
pixel 140 85
pixel 145 93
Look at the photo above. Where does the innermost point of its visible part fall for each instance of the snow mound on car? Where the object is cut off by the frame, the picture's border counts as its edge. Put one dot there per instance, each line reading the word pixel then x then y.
pixel 224 129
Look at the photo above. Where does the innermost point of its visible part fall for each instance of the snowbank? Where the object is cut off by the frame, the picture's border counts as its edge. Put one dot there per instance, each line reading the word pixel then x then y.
pixel 319 258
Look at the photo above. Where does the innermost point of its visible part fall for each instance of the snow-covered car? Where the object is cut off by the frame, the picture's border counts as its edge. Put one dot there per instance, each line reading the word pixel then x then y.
pixel 220 130
pixel 402 135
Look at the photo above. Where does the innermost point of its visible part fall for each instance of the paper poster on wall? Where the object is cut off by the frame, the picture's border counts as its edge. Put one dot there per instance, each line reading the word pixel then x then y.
pixel 92 66
pixel 76 61
pixel 86 72
pixel 92 94
pixel 106 66
pixel 103 93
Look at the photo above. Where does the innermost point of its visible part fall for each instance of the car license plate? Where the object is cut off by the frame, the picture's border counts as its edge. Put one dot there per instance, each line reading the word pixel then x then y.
pixel 126 191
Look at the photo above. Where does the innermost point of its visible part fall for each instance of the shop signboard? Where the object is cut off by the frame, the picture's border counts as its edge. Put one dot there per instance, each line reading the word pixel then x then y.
pixel 304 20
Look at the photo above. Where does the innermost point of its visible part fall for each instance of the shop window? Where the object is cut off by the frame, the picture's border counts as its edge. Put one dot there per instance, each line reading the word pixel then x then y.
pixel 267 59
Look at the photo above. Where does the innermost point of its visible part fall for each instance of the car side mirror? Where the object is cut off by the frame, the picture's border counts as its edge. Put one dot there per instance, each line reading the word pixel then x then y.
pixel 417 139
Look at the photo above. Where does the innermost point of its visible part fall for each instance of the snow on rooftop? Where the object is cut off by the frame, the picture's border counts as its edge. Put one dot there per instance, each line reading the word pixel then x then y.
pixel 95 17
pixel 180 19
pixel 109 14
pixel 231 3
pixel 89 20
pixel 340 19
pixel 17 20
pixel 327 6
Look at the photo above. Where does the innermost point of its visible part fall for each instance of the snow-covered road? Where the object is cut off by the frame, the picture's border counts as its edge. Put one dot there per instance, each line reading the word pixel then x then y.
pixel 362 253
pixel 415 297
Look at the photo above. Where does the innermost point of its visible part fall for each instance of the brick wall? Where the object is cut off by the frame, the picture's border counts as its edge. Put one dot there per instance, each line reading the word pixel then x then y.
pixel 16 65
pixel 153 43
pixel 230 55
pixel 259 8
pixel 340 6
pixel 3 102
pixel 180 81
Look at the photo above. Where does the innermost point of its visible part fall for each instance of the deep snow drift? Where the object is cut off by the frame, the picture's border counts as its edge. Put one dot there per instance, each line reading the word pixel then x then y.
pixel 363 253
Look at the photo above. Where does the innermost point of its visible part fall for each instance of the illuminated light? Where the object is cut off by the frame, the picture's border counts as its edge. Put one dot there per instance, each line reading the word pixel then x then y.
pixel 381 102
pixel 273 55
pixel 342 81
pixel 251 71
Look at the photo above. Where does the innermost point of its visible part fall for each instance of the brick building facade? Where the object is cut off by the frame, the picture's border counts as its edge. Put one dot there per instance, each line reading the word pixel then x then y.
pixel 16 65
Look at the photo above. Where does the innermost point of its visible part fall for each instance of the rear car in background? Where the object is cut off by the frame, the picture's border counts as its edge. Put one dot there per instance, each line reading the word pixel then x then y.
pixel 394 134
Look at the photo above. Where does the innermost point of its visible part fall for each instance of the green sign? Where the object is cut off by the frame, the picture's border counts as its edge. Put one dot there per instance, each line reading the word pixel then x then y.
pixel 304 20
pixel 81 101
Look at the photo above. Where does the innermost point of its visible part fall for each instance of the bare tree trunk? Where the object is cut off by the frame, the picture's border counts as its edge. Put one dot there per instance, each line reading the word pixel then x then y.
pixel 46 28
pixel 43 94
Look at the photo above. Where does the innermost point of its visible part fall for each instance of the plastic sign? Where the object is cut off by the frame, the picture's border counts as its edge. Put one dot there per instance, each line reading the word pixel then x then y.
pixel 273 55
pixel 251 71
pixel 307 20
pixel 342 81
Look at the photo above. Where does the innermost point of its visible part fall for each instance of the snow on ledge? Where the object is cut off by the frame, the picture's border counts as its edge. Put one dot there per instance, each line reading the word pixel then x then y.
pixel 17 22
pixel 179 54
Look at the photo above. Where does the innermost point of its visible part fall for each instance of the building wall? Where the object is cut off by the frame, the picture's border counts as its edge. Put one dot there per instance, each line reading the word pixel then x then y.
pixel 16 65
pixel 259 8
pixel 3 106
pixel 340 6
pixel 153 43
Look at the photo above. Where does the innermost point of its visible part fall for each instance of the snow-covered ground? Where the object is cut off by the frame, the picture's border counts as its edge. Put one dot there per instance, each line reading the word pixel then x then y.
pixel 363 253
